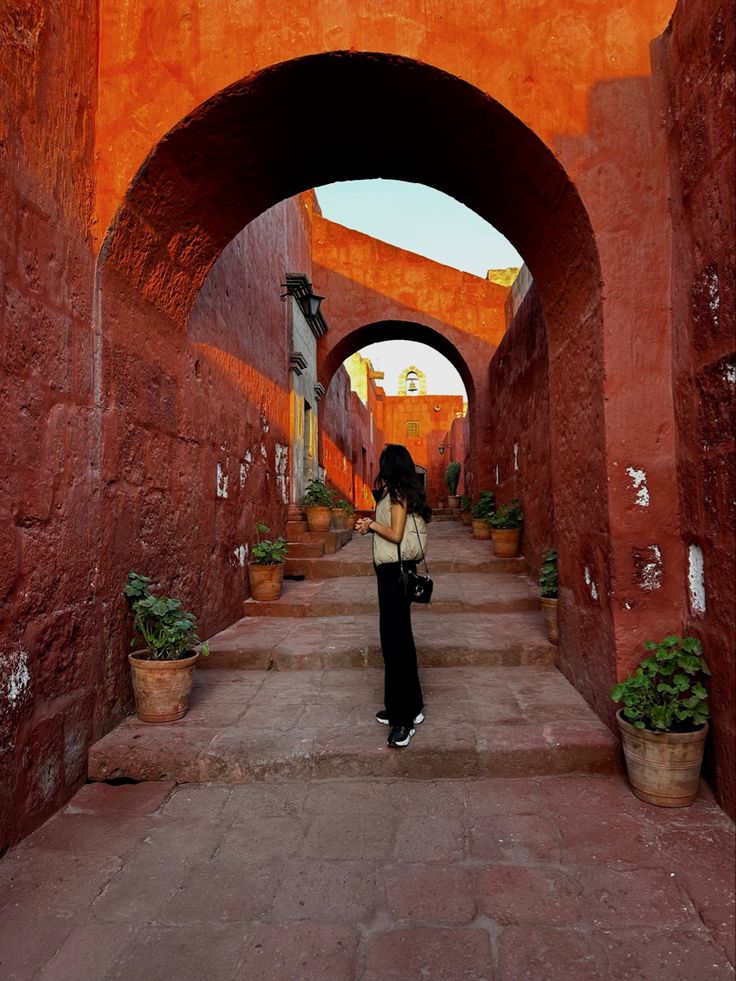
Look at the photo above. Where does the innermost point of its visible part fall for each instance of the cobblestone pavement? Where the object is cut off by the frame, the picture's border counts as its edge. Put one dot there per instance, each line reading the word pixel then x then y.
pixel 566 878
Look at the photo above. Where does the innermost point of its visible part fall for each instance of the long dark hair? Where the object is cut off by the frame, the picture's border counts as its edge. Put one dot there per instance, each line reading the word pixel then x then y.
pixel 397 477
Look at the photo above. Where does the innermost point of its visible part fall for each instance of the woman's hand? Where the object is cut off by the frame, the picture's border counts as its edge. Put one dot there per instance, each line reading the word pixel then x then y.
pixel 363 525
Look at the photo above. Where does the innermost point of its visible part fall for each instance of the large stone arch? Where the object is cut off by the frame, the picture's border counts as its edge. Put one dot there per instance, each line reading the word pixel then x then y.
pixel 446 344
pixel 249 147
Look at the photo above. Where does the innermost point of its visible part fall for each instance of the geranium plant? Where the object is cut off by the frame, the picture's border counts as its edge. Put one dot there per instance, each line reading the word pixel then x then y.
pixel 317 495
pixel 485 506
pixel 268 551
pixel 160 624
pixel 507 516
pixel 666 692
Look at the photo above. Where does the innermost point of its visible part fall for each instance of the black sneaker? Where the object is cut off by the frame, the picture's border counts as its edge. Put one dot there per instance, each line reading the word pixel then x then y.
pixel 400 736
pixel 382 717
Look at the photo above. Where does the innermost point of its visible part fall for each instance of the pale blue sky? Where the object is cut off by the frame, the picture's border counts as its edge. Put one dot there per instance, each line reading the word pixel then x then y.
pixel 432 224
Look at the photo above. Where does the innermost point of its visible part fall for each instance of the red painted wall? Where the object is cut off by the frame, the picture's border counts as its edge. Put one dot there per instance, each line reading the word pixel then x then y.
pixel 336 435
pixel 434 414
pixel 697 57
pixel 520 442
pixel 50 622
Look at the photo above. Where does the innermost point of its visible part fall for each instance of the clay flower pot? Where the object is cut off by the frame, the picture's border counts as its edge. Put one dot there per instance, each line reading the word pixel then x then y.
pixel 161 688
pixel 506 542
pixel 453 501
pixel 338 517
pixel 265 580
pixel 549 608
pixel 465 518
pixel 663 767
pixel 318 518
pixel 480 529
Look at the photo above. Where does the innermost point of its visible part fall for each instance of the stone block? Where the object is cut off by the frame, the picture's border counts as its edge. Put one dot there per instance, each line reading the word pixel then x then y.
pixel 553 954
pixel 442 954
pixel 309 951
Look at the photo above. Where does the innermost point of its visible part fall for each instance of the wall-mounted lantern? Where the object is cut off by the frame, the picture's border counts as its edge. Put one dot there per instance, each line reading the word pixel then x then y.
pixel 299 286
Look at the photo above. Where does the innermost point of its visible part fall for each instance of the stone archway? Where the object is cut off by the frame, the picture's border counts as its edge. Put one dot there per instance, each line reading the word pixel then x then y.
pixel 236 156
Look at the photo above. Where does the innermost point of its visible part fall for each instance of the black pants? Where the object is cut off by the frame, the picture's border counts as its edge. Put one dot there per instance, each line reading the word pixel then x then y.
pixel 402 691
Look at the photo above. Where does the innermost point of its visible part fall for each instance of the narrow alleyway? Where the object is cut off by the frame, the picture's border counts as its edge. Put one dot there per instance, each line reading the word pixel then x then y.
pixel 274 835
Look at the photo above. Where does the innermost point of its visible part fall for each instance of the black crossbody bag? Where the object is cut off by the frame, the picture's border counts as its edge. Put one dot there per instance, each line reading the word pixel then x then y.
pixel 416 587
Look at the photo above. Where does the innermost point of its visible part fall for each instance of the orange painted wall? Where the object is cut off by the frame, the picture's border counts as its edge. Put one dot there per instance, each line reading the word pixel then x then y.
pixel 542 59
pixel 435 415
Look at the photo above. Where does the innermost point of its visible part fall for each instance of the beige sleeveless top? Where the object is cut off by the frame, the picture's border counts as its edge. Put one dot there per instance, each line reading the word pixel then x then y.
pixel 413 544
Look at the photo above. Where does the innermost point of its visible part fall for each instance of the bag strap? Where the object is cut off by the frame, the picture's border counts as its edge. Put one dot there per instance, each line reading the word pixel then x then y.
pixel 423 558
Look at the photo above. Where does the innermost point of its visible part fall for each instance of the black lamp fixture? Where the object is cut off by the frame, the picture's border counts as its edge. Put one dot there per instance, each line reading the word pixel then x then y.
pixel 299 286
pixel 442 447
pixel 310 304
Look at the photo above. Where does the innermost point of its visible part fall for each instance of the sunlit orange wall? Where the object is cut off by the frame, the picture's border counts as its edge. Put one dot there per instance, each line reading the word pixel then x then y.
pixel 539 58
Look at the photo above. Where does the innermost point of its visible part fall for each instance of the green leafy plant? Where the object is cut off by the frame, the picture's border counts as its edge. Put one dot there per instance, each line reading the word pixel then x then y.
pixel 346 506
pixel 167 631
pixel 317 495
pixel 548 574
pixel 666 693
pixel 452 477
pixel 268 551
pixel 466 503
pixel 507 516
pixel 485 506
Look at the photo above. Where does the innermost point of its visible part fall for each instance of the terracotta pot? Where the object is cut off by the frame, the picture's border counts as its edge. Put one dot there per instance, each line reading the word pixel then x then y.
pixel 480 529
pixel 161 688
pixel 453 501
pixel 506 542
pixel 338 516
pixel 265 580
pixel 318 519
pixel 549 608
pixel 465 518
pixel 663 767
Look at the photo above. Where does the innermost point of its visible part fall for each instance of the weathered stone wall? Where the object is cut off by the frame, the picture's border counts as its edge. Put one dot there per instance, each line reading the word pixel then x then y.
pixel 336 436
pixel 697 59
pixel 50 638
pixel 520 441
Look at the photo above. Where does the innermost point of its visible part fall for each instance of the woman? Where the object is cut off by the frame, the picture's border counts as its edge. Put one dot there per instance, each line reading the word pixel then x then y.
pixel 399 524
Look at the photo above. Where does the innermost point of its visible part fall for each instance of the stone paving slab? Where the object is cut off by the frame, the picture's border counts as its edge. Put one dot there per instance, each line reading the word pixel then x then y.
pixel 468 593
pixel 309 643
pixel 245 726
pixel 360 880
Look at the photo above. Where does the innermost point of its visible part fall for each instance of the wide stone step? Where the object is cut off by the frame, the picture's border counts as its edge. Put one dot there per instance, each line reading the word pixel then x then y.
pixel 306 550
pixel 302 644
pixel 453 593
pixel 353 564
pixel 245 726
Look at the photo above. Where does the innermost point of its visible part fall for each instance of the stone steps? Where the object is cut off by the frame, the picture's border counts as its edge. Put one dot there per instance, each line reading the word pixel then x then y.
pixel 469 593
pixel 245 726
pixel 306 550
pixel 355 564
pixel 301 644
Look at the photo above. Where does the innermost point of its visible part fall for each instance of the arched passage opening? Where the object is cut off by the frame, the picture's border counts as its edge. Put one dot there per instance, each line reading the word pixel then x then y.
pixel 238 155
pixel 381 409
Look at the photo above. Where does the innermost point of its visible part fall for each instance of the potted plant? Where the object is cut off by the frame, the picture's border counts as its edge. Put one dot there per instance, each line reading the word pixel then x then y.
pixel 266 568
pixel 162 665
pixel 317 503
pixel 664 721
pixel 347 514
pixel 465 506
pixel 548 586
pixel 505 524
pixel 480 514
pixel 452 478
